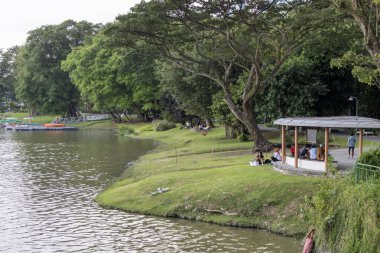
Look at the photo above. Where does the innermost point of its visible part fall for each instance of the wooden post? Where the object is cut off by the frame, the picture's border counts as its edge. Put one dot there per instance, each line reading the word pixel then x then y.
pixel 176 159
pixel 283 144
pixel 296 147
pixel 326 146
pixel 360 141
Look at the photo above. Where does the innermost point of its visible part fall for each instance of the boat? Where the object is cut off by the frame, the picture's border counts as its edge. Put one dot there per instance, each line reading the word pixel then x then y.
pixel 38 127
pixel 53 125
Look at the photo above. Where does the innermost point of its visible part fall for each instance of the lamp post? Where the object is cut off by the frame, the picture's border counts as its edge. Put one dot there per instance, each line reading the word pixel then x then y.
pixel 351 98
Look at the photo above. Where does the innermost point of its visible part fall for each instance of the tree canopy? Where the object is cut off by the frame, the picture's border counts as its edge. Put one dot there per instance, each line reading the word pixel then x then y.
pixel 7 75
pixel 41 83
pixel 223 40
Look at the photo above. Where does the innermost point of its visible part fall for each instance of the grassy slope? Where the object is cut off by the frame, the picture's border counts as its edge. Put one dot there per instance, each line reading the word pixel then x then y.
pixel 211 175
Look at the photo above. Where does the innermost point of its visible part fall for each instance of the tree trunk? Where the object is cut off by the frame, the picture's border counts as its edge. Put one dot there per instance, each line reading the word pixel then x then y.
pixel 33 112
pixel 116 118
pixel 72 111
pixel 260 143
pixel 230 132
pixel 248 118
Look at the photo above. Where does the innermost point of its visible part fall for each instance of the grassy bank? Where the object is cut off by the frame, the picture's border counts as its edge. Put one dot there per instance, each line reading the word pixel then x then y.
pixel 209 179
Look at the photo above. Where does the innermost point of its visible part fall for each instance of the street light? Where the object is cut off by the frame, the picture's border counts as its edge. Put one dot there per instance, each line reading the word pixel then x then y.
pixel 351 98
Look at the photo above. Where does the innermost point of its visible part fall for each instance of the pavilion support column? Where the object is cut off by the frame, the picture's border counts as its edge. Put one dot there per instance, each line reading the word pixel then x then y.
pixel 360 141
pixel 326 146
pixel 296 147
pixel 283 144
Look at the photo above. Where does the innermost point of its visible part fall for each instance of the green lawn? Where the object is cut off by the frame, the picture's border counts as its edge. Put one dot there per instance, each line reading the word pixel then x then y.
pixel 21 115
pixel 210 180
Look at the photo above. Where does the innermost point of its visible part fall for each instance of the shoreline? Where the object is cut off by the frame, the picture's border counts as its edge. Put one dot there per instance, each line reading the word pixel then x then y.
pixel 210 185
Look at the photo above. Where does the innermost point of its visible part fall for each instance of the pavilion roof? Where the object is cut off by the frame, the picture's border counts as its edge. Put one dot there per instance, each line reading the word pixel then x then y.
pixel 331 122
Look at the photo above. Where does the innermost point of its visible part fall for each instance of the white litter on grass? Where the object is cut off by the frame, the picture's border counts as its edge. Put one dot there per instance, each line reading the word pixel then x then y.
pixel 159 191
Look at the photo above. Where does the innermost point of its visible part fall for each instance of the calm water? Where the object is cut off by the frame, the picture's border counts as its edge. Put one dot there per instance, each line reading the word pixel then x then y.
pixel 47 184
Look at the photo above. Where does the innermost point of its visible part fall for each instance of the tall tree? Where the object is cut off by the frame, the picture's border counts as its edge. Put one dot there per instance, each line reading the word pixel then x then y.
pixel 7 73
pixel 222 40
pixel 115 79
pixel 366 14
pixel 41 83
pixel 307 85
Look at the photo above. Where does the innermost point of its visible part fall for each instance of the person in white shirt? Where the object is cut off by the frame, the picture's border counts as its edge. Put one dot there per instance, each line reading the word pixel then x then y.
pixel 276 155
pixel 313 153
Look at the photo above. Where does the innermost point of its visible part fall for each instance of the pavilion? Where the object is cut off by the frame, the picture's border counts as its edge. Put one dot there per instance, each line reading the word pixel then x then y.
pixel 342 122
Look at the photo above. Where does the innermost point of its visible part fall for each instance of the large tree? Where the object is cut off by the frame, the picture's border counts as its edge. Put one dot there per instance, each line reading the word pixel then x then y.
pixel 224 40
pixel 7 73
pixel 115 79
pixel 41 83
pixel 366 14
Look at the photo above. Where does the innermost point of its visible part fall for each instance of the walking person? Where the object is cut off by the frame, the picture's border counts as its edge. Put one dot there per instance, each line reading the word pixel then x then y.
pixel 351 145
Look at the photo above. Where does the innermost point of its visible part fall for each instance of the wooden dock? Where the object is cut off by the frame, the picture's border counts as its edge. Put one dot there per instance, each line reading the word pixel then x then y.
pixel 39 128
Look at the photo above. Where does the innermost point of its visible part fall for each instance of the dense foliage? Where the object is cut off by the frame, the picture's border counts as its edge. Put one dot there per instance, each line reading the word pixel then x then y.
pixel 346 216
pixel 41 83
pixel 224 41
pixel 371 157
pixel 7 78
pixel 239 63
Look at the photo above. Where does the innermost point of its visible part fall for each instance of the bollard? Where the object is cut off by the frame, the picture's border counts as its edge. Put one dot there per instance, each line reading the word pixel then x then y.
pixel 175 151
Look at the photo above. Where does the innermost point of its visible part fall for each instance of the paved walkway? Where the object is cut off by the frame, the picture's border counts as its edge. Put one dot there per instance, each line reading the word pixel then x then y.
pixel 345 164
pixel 341 156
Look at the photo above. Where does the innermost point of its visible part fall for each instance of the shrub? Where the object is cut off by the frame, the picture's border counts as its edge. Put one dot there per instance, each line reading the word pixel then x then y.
pixel 162 125
pixel 345 216
pixel 371 157
pixel 125 130
pixel 243 137
pixel 146 128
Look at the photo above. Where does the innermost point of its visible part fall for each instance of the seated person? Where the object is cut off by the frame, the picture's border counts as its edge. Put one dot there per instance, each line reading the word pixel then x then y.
pixel 276 155
pixel 313 153
pixel 304 153
pixel 292 150
pixel 259 158
pixel 320 153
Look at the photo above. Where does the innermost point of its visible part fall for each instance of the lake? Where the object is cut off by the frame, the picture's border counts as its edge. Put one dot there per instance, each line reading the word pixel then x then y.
pixel 48 181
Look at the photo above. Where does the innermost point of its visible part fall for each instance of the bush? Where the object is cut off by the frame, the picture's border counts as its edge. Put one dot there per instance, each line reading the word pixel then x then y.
pixel 243 138
pixel 146 128
pixel 125 130
pixel 371 157
pixel 346 216
pixel 163 125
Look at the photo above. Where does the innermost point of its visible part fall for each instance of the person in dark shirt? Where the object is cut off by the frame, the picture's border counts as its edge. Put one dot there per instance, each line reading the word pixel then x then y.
pixel 304 153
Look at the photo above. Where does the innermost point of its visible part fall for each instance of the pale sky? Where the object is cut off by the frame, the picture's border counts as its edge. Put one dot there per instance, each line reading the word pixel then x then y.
pixel 17 17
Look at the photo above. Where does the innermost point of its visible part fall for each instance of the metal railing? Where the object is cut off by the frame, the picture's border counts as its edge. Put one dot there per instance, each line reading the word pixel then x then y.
pixel 366 172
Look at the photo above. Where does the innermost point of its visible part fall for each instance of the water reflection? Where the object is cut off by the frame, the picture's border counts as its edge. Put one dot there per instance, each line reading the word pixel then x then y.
pixel 47 184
